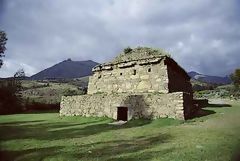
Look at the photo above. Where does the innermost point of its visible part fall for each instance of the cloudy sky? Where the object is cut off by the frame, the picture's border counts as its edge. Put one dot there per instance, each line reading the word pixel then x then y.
pixel 202 35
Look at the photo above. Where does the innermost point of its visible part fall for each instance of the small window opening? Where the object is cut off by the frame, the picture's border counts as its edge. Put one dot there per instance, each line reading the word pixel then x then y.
pixel 120 73
pixel 149 69
pixel 134 72
pixel 99 76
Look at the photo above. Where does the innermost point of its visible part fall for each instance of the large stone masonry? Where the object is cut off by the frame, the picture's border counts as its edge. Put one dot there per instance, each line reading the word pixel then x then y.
pixel 138 83
pixel 144 105
pixel 134 76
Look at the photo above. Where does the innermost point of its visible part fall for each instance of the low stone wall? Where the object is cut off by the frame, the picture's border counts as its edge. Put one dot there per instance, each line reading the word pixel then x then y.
pixel 144 105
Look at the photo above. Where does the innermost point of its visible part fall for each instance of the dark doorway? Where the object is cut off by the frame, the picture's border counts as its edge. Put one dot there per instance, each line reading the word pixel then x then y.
pixel 122 113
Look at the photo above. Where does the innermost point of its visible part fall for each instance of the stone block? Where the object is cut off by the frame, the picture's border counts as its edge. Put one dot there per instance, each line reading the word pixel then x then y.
pixel 134 76
pixel 144 77
pixel 144 85
pixel 159 80
pixel 128 85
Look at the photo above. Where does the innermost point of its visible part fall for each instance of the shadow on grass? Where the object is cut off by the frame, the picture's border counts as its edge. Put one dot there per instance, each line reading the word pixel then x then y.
pixel 218 105
pixel 136 148
pixel 124 149
pixel 203 112
pixel 21 122
pixel 144 155
pixel 44 130
pixel 39 111
pixel 29 154
pixel 55 131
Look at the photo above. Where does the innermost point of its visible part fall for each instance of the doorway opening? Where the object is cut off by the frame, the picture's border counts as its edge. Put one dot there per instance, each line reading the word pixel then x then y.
pixel 122 113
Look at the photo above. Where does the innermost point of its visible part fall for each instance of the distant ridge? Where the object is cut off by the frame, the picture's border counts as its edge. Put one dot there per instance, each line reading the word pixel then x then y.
pixel 209 79
pixel 66 69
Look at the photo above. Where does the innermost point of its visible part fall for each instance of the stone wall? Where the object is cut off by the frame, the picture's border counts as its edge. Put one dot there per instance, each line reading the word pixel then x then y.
pixel 178 79
pixel 132 77
pixel 145 105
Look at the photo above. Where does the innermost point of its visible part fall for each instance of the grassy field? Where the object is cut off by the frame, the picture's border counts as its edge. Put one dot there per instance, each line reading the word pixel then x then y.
pixel 46 136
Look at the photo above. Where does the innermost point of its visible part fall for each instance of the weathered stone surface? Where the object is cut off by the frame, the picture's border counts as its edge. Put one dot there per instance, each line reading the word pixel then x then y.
pixel 124 65
pixel 144 85
pixel 143 105
pixel 147 81
pixel 137 76
pixel 144 77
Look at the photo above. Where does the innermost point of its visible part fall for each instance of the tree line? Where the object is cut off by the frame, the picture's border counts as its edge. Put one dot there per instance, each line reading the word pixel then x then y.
pixel 10 97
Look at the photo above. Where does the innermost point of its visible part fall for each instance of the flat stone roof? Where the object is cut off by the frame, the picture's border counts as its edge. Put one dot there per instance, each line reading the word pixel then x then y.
pixel 129 57
pixel 139 53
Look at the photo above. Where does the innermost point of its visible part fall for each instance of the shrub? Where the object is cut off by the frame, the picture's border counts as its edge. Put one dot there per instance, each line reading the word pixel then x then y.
pixel 70 92
pixel 127 50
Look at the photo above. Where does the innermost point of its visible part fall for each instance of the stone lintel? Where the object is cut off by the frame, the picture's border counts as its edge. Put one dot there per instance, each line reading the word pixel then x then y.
pixel 107 68
pixel 126 64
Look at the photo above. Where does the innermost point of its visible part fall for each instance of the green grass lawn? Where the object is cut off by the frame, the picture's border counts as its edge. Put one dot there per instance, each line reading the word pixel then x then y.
pixel 46 136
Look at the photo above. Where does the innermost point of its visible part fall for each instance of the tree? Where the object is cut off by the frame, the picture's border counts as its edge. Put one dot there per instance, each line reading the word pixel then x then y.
pixel 20 73
pixel 3 41
pixel 10 98
pixel 10 94
pixel 236 78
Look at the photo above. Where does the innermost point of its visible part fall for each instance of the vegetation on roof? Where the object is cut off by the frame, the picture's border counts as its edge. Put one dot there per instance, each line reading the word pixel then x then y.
pixel 130 54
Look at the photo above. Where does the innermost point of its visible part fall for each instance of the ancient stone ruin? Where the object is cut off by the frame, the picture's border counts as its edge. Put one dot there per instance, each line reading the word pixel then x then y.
pixel 139 83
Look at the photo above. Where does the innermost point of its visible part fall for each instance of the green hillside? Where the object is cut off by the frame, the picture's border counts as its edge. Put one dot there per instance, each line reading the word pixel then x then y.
pixel 51 92
pixel 224 91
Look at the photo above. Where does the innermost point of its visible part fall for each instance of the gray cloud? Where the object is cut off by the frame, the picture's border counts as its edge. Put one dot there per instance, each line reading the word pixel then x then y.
pixel 202 35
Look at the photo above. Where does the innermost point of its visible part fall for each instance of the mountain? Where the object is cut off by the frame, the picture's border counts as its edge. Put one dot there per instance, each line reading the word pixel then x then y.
pixel 66 69
pixel 209 79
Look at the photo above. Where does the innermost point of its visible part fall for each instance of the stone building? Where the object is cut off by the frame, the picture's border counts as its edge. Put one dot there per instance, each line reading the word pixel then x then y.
pixel 138 83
